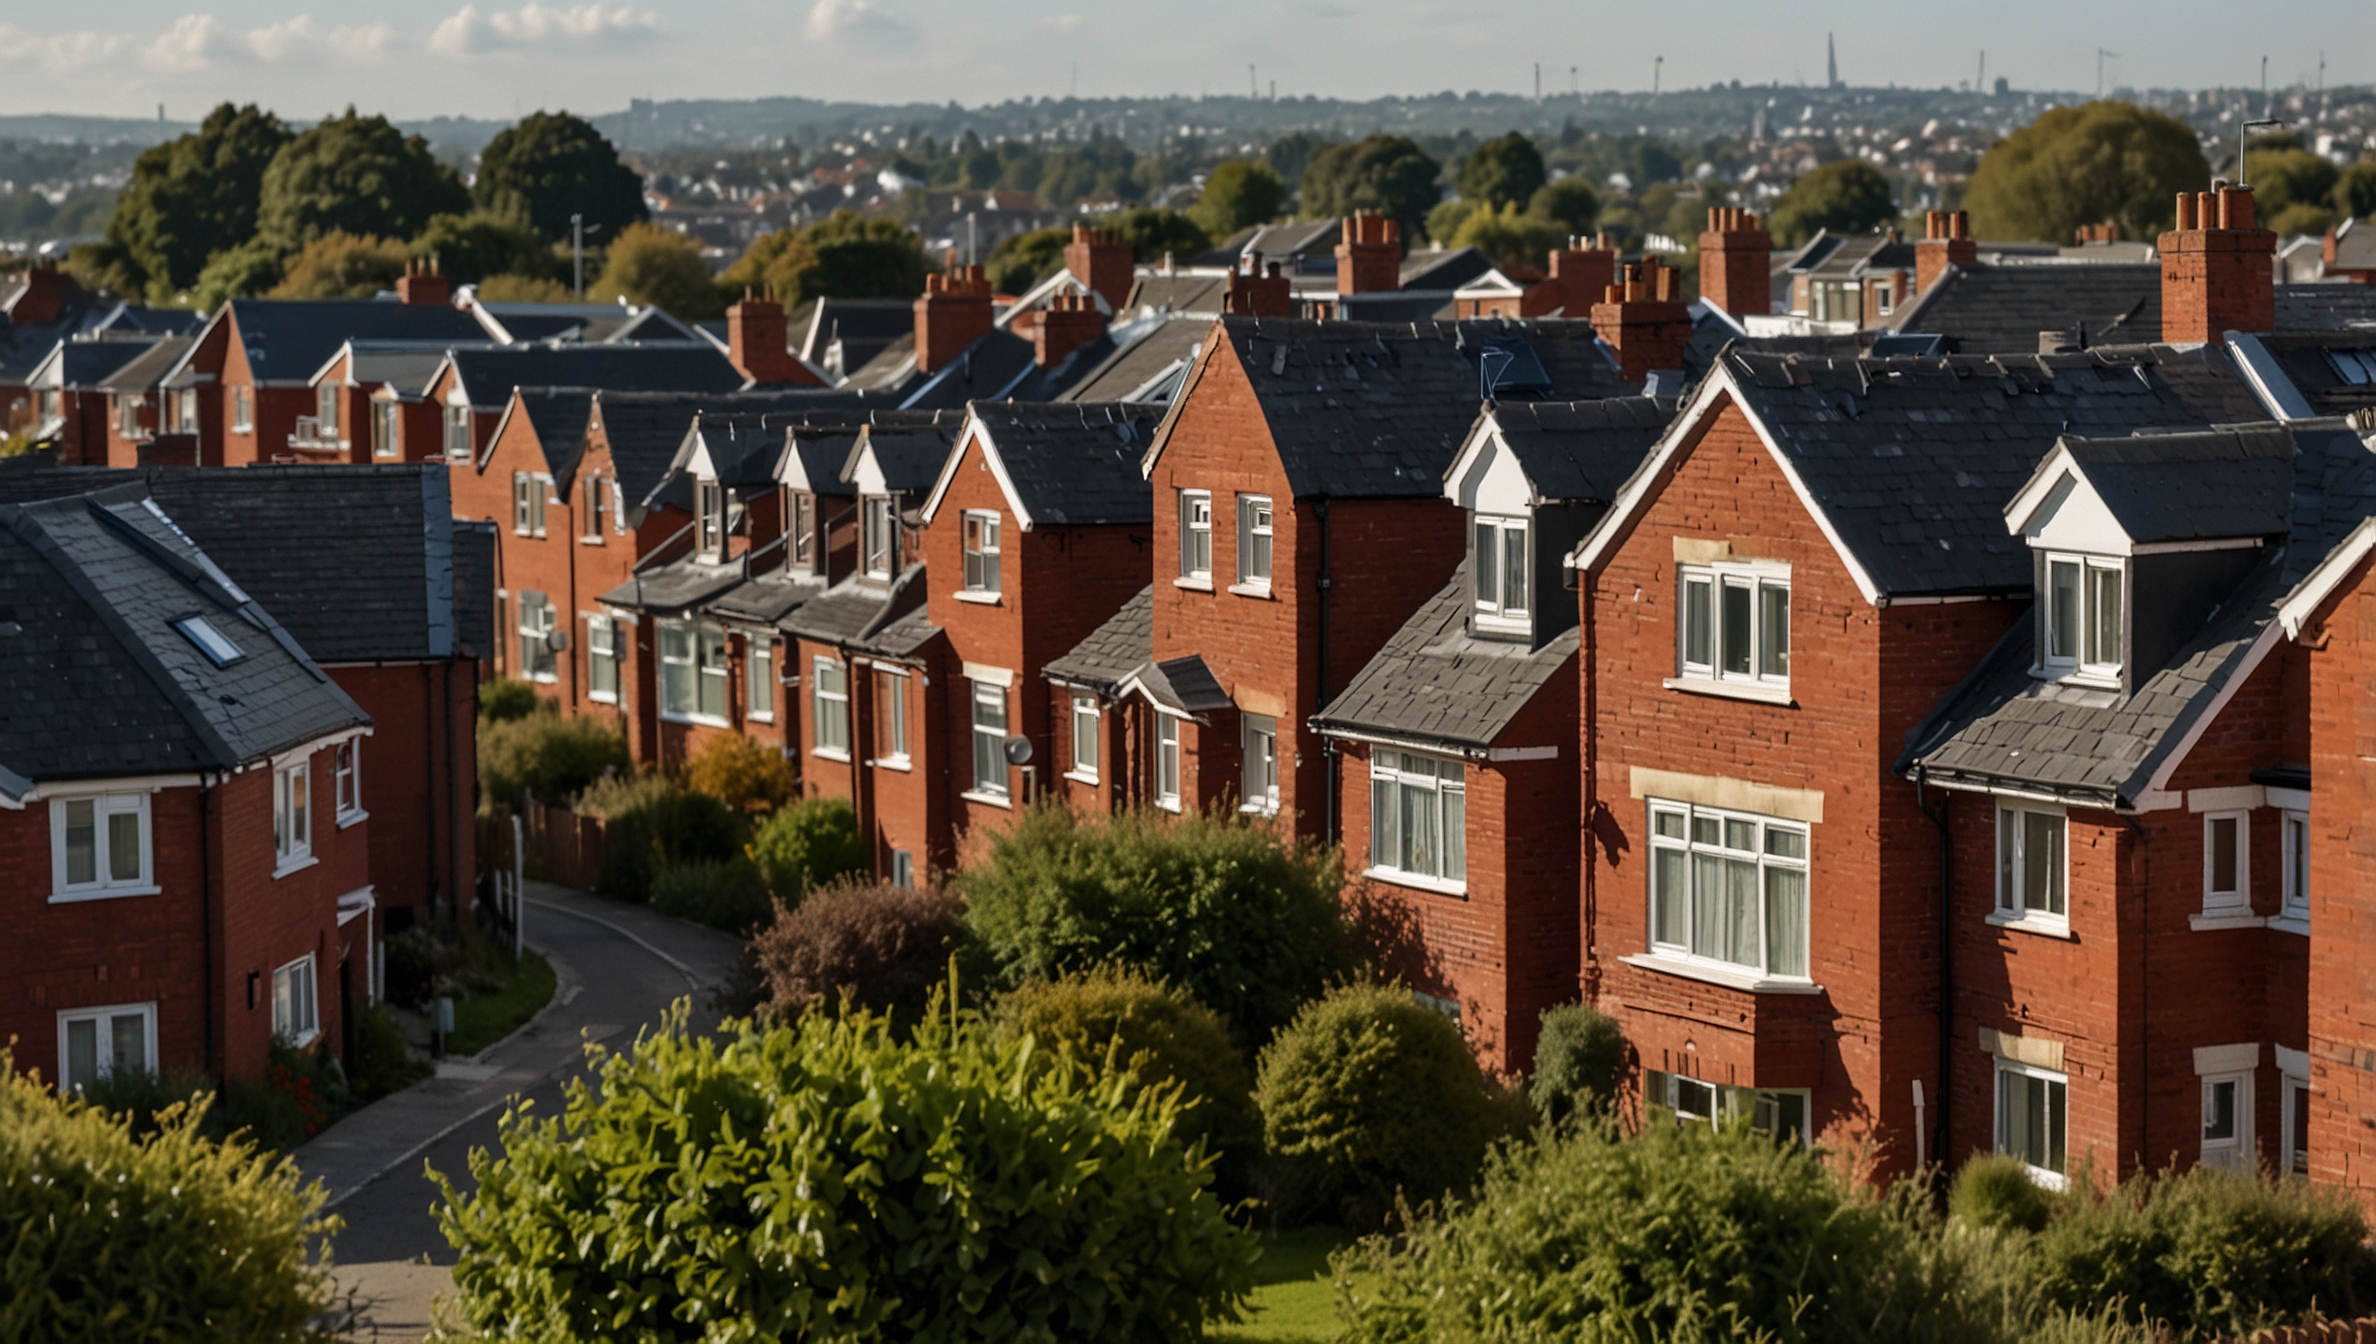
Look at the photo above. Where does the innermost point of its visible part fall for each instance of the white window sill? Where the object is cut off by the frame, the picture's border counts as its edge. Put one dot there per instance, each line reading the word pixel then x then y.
pixel 346 819
pixel 299 1042
pixel 101 894
pixel 1496 623
pixel 977 596
pixel 1168 804
pixel 1726 976
pixel 998 800
pixel 899 763
pixel 830 754
pixel 697 720
pixel 756 717
pixel 1261 590
pixel 1417 881
pixel 603 697
pixel 295 865
pixel 2291 924
pixel 1081 776
pixel 2044 1179
pixel 1258 809
pixel 1203 585
pixel 589 541
pixel 1732 690
pixel 2234 919
pixel 2045 926
pixel 2094 681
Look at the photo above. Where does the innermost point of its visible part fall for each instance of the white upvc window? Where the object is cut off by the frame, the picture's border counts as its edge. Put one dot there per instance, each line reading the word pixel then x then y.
pixel 243 410
pixel 1419 816
pixel 2227 1120
pixel 2294 827
pixel 981 552
pixel 891 716
pixel 185 403
pixel 989 739
pixel 538 617
pixel 759 670
pixel 903 868
pixel 677 672
pixel 597 505
pixel 384 432
pixel 1254 541
pixel 2032 1122
pixel 94 1043
pixel 326 400
pixel 529 492
pixel 1729 888
pixel 296 1009
pixel 1503 572
pixel 99 846
pixel 709 511
pixel 829 691
pixel 1734 624
pixel 1780 1112
pixel 801 513
pixel 2082 617
pixel 1196 536
pixel 346 780
pixel 1086 721
pixel 2227 863
pixel 881 537
pixel 1167 762
pixel 456 422
pixel 1258 743
pixel 292 813
pixel 602 659
pixel 2294 1078
pixel 2033 863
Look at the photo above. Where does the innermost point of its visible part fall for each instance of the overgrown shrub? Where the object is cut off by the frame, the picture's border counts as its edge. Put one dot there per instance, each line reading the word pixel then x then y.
pixel 882 947
pixel 410 967
pixel 724 894
pixel 1163 1036
pixel 160 1235
pixel 845 1180
pixel 1370 1095
pixel 382 1064
pixel 1579 1057
pixel 813 842
pixel 300 1094
pixel 502 700
pixel 550 755
pixel 750 777
pixel 1995 1191
pixel 651 825
pixel 1244 920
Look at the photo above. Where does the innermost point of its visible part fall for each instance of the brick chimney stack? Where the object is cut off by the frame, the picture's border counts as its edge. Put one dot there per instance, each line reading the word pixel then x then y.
pixel 421 284
pixel 1737 263
pixel 1258 290
pixel 2217 273
pixel 953 314
pixel 1644 319
pixel 1069 322
pixel 43 296
pixel 1946 241
pixel 1102 262
pixel 1369 256
pixel 1581 273
pixel 758 343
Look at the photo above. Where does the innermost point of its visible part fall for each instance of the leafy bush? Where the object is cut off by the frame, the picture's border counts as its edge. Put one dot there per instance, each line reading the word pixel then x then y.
pixel 843 1180
pixel 813 842
pixel 747 776
pixel 1160 1034
pixel 1245 921
pixel 411 967
pixel 383 1064
pixel 1373 1096
pixel 503 700
pixel 882 947
pixel 159 1235
pixel 1578 1059
pixel 548 755
pixel 1995 1191
pixel 651 825
pixel 727 894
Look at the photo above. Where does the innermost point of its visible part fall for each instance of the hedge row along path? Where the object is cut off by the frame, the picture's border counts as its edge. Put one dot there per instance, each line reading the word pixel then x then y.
pixel 619 967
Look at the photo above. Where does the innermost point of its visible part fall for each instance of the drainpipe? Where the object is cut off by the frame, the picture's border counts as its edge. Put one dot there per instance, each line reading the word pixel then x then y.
pixel 208 1056
pixel 1587 657
pixel 1328 748
pixel 1938 818
pixel 2144 961
pixel 428 777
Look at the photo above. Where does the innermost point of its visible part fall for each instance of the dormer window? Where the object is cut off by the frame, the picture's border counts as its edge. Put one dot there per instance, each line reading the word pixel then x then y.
pixel 1503 573
pixel 2082 613
pixel 882 537
pixel 326 409
pixel 803 516
pixel 709 505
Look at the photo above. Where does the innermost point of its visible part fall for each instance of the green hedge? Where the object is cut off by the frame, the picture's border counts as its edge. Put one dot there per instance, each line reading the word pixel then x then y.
pixel 1579 1057
pixel 724 894
pixel 810 844
pixel 650 825
pixel 547 754
pixel 881 947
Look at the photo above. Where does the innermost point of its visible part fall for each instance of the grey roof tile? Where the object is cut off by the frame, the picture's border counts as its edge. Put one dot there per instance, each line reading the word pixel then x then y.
pixel 1113 650
pixel 1074 463
pixel 1435 682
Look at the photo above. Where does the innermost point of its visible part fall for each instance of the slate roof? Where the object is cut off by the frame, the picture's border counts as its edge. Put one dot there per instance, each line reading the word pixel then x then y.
pixel 904 634
pixel 1182 685
pixel 2335 371
pixel 1434 683
pixel 644 430
pixel 287 340
pixel 559 416
pixel 1443 269
pixel 1912 459
pixel 2003 727
pixel 865 327
pixel 766 598
pixel 678 586
pixel 1579 452
pixel 910 457
pixel 856 608
pixel 1199 292
pixel 1073 463
pixel 1378 410
pixel 95 681
pixel 145 370
pixel 488 375
pixel 1150 358
pixel 85 364
pixel 408 368
pixel 1988 310
pixel 2326 307
pixel 2235 482
pixel 1113 651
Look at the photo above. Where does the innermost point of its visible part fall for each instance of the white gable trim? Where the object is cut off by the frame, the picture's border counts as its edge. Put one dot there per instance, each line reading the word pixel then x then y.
pixel 1484 436
pixel 2043 482
pixel 977 434
pixel 2313 591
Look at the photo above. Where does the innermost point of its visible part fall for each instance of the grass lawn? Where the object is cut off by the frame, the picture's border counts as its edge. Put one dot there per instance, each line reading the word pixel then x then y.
pixel 485 1018
pixel 1293 1302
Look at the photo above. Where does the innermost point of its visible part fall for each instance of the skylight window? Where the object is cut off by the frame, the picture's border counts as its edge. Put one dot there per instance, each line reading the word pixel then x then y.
pixel 2356 367
pixel 216 645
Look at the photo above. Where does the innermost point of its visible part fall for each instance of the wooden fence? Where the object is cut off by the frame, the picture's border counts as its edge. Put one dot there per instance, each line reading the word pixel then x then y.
pixel 2362 1331
pixel 563 847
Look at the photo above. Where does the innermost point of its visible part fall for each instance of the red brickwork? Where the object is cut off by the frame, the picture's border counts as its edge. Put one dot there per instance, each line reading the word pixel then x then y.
pixel 2216 271
pixel 1946 241
pixel 2341 642
pixel 1736 263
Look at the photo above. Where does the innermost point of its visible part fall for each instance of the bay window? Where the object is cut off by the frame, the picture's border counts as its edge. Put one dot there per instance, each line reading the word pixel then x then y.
pixel 1502 571
pixel 2032 863
pixel 1729 888
pixel 2082 615
pixel 693 673
pixel 1735 624
pixel 1418 816
pixel 759 670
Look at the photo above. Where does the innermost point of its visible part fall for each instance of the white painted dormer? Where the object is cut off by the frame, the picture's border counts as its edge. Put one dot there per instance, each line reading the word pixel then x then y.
pixel 1505 583
pixel 709 503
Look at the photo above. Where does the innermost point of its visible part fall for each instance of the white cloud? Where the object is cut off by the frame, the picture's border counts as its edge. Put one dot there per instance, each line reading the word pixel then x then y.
pixel 468 30
pixel 198 42
pixel 60 53
pixel 1062 23
pixel 829 19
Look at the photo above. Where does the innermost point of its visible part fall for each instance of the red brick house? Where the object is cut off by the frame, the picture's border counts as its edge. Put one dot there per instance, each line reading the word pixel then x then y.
pixel 77 410
pixel 1100 739
pixel 148 423
pixel 176 788
pixel 366 398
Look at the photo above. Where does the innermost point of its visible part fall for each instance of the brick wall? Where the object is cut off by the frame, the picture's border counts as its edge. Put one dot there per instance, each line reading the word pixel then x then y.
pixel 420 771
pixel 2341 646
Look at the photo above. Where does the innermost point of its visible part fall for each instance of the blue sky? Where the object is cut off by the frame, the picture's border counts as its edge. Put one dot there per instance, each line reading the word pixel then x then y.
pixel 414 58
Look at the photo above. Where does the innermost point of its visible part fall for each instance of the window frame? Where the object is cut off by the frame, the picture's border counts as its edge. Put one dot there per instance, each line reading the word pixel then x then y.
pixel 2293 1121
pixel 2293 841
pixel 2012 869
pixel 1761 1106
pixel 990 769
pixel 2238 899
pixel 1489 565
pixel 709 517
pixel 713 683
pixel 1759 580
pixel 1167 761
pixel 530 491
pixel 903 868
pixel 2235 1150
pixel 386 428
pixel 306 1007
pixel 891 717
pixel 602 659
pixel 346 781
pixel 2057 1119
pixel 759 663
pixel 1258 758
pixel 292 815
pixel 105 806
pixel 879 536
pixel 1196 538
pixel 1257 527
pixel 533 623
pixel 326 410
pixel 1766 862
pixel 597 505
pixel 454 430
pixel 1084 707
pixel 2077 664
pixel 980 537
pixel 829 688
pixel 801 511
pixel 104 1015
pixel 1394 776
pixel 243 410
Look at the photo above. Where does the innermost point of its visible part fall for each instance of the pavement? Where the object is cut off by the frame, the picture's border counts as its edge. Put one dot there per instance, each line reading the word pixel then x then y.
pixel 618 968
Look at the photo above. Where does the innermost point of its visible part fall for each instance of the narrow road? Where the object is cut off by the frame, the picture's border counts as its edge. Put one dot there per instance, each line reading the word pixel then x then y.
pixel 619 968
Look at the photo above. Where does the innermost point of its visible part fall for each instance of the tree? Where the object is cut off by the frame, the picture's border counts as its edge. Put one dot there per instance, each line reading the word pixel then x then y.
pixel 1237 195
pixel 237 273
pixel 1151 233
pixel 862 257
pixel 469 248
pixel 2355 190
pixel 2293 190
pixel 522 289
pixel 1570 202
pixel 649 264
pixel 1290 154
pixel 777 263
pixel 879 947
pixel 194 196
pixel 358 174
pixel 551 165
pixel 846 1180
pixel 2085 165
pixel 1512 239
pixel 1849 196
pixel 1383 174
pixel 342 266
pixel 1024 259
pixel 1653 163
pixel 1505 171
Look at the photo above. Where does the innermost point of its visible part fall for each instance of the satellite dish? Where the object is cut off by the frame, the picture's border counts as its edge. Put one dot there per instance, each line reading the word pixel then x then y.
pixel 557 640
pixel 1018 749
